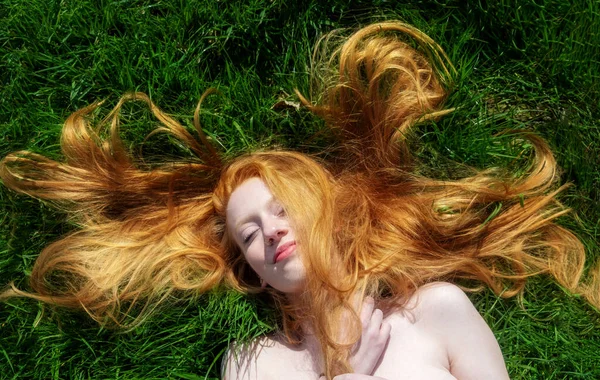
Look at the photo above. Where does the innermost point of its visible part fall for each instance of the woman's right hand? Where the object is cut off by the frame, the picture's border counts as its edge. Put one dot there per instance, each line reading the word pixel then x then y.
pixel 373 341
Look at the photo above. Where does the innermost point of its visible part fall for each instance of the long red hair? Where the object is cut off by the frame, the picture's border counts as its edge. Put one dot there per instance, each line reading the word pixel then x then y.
pixel 366 221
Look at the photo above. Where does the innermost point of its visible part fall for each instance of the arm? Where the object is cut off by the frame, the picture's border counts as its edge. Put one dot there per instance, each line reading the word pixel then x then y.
pixel 473 351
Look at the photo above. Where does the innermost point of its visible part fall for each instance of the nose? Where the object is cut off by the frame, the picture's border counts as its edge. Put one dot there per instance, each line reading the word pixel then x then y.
pixel 274 233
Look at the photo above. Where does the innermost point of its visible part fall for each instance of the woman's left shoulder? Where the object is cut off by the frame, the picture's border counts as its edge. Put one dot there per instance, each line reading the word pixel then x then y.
pixel 443 312
pixel 437 306
pixel 439 299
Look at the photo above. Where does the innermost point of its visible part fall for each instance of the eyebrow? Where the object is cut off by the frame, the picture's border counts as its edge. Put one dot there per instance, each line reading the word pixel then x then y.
pixel 248 218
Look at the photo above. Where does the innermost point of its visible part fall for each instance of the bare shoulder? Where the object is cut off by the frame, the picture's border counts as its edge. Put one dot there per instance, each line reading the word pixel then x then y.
pixel 266 358
pixel 241 359
pixel 440 300
pixel 440 294
pixel 444 312
pixel 443 309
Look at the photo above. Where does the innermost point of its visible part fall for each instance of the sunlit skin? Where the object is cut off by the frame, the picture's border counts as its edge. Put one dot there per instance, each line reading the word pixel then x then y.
pixel 441 337
pixel 365 217
pixel 260 227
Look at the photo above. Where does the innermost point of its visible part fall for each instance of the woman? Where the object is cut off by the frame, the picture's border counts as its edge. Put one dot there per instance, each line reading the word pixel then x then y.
pixel 438 334
pixel 324 237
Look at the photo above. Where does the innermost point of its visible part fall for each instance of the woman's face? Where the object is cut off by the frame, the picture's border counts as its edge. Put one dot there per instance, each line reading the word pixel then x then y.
pixel 259 225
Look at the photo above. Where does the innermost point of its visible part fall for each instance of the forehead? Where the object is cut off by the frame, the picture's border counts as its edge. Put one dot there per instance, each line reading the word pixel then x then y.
pixel 250 195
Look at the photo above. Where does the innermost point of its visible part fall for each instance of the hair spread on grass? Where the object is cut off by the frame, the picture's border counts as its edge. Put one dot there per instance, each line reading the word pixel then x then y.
pixel 366 222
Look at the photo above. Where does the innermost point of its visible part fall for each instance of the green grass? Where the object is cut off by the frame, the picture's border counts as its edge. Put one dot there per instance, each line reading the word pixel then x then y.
pixel 521 64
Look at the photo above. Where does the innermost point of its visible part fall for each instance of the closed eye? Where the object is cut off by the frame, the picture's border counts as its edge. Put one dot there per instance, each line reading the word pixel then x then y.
pixel 247 238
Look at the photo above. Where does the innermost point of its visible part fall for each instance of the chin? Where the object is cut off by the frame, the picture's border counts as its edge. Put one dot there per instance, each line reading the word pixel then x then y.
pixel 290 287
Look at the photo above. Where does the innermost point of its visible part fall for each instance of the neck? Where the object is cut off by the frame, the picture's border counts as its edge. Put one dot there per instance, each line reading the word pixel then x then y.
pixel 295 299
pixel 299 302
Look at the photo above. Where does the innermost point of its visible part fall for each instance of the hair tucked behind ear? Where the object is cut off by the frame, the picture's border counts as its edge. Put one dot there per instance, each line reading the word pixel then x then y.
pixel 144 232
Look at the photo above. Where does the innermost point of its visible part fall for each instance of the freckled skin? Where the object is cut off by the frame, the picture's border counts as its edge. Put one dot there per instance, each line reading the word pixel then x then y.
pixel 259 225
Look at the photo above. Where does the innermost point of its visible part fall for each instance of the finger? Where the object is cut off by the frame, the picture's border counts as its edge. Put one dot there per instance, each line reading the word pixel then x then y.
pixel 376 319
pixel 385 331
pixel 367 311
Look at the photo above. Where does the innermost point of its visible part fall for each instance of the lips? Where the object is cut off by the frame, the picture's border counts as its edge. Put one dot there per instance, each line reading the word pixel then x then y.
pixel 284 251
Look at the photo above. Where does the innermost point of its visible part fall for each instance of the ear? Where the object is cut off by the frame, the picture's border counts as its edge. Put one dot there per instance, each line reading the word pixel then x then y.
pixel 263 284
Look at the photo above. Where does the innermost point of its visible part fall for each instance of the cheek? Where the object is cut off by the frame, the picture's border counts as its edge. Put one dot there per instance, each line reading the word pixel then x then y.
pixel 254 256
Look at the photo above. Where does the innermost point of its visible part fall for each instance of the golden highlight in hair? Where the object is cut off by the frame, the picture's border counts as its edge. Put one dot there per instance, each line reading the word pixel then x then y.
pixel 366 221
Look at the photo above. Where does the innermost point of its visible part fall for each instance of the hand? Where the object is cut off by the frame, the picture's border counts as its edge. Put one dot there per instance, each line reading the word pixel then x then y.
pixel 373 341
